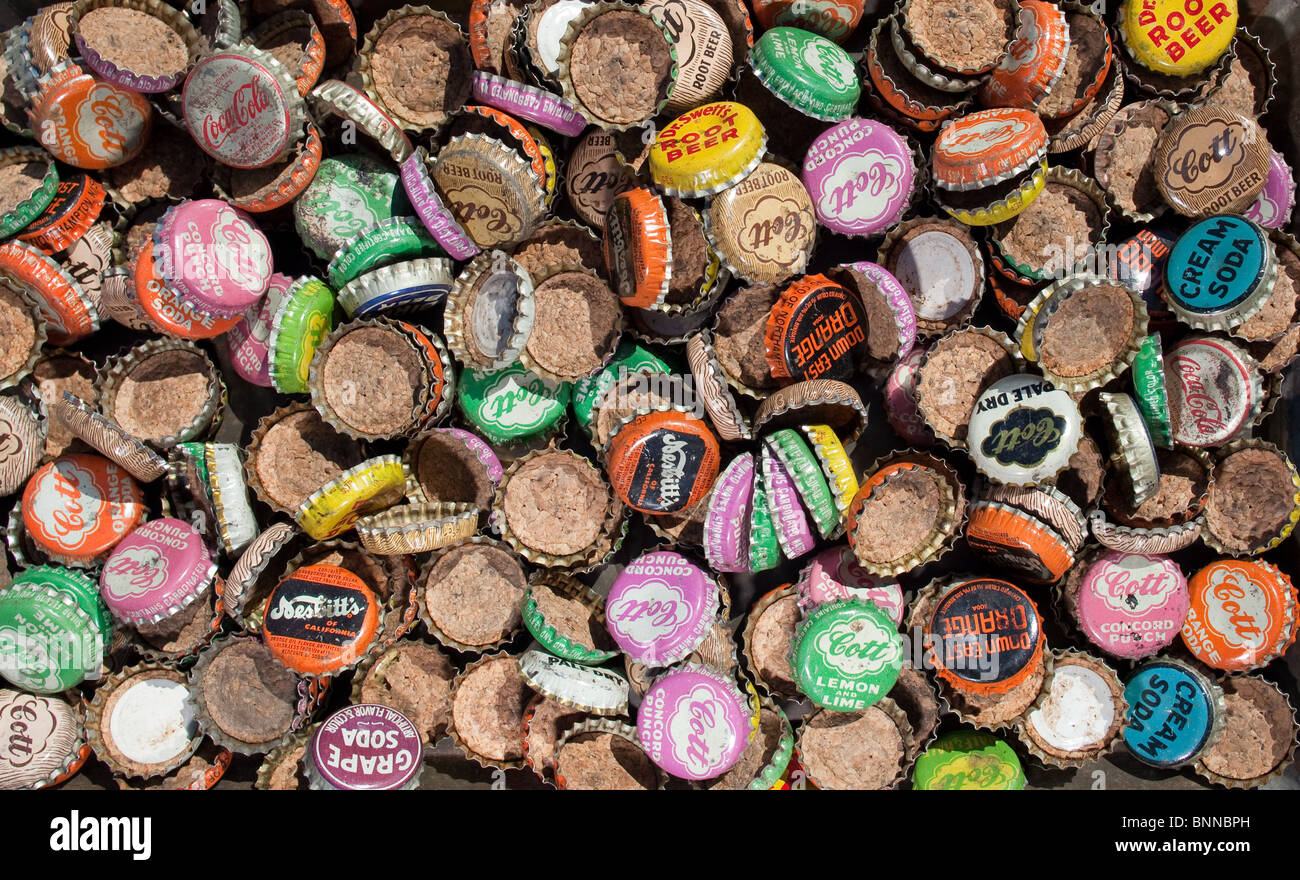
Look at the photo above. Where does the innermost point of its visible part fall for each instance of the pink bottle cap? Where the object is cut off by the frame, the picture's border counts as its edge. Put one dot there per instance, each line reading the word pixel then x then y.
pixel 156 571
pixel 248 342
pixel 661 608
pixel 1131 605
pixel 834 575
pixel 726 526
pixel 860 174
pixel 694 722
pixel 213 256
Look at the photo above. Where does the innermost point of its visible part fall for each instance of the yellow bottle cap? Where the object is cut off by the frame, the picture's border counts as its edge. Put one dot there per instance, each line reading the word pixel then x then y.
pixel 1004 208
pixel 1178 37
pixel 369 487
pixel 706 150
pixel 836 466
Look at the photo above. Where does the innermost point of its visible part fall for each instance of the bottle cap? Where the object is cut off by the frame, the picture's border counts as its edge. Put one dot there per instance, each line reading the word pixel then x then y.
pixel 1176 37
pixel 1174 713
pixel 1242 615
pixel 861 176
pixel 54 644
pixel 806 71
pixel 1210 161
pixel 638 247
pixel 990 635
pixel 968 760
pixel 512 404
pixel 321 620
pixel 1220 273
pixel 1131 605
pixel 349 194
pixel 663 461
pixel 78 506
pixel 1023 431
pixel 67 118
pixel 764 228
pixel 156 571
pixel 987 147
pixel 816 330
pixel 213 256
pixel 364 747
pixel 661 607
pixel 243 107
pixel 1214 391
pixel 846 655
pixel 695 723
pixel 708 150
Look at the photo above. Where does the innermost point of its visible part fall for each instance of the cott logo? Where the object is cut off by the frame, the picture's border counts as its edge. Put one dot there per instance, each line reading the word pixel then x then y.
pixel 1134 586
pixel 511 405
pixel 1206 155
pixel 648 612
pixel 240 256
pixel 1237 609
pixel 106 119
pixel 863 187
pixel 135 572
pixel 26 726
pixel 67 515
pixel 827 17
pixel 699 731
pixel 858 646
pixel 1025 49
pixel 982 137
pixel 831 62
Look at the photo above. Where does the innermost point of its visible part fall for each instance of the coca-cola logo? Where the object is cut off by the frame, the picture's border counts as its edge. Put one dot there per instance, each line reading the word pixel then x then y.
pixel 134 572
pixel 699 728
pixel 1133 585
pixel 649 611
pixel 860 646
pixel 247 103
pixel 1238 609
pixel 1201 404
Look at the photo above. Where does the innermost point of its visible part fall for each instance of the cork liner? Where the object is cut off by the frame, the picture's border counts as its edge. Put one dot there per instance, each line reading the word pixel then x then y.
pixel 482 760
pixel 198 699
pixel 1056 661
pixel 168 15
pixel 950 518
pixel 1134 456
pixel 336 98
pixel 308 68
pixel 895 714
pixel 255 440
pixel 554 641
pixel 1248 42
pixel 363 65
pixel 814 401
pixel 715 276
pixel 911 56
pixel 491 466
pixel 426 616
pixel 712 389
pixel 914 112
pixel 109 438
pixel 988 332
pixel 246 584
pixel 417 528
pixel 296 173
pixel 39 334
pixel 281 753
pixel 95 721
pixel 971 714
pixel 596 726
pixel 1207 533
pixel 1090 92
pixel 1039 313
pixel 1197 507
pixel 751 668
pixel 565 61
pixel 530 363
pixel 1046 503
pixel 1003 208
pixel 1082 129
pixel 438 371
pixel 1109 139
pixel 316 380
pixel 1159 541
pixel 117 369
pixel 1199 768
pixel 1073 179
pixel 377 664
pixel 926 327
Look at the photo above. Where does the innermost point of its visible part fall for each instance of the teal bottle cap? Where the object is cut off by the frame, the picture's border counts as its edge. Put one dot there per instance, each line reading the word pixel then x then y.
pixel 1219 273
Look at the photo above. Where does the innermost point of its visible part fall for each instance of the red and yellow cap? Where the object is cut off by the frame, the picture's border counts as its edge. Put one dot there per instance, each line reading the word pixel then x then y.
pixel 1178 37
pixel 706 150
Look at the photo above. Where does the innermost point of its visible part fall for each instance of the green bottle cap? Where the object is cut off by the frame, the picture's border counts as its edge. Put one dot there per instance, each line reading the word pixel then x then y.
pixel 554 641
pixel 807 72
pixel 31 207
pixel 764 548
pixel 631 358
pixel 83 590
pixel 304 319
pixel 1152 396
pixel 348 195
pixel 806 470
pixel 394 240
pixel 509 405
pixel 846 655
pixel 48 643
pixel 968 759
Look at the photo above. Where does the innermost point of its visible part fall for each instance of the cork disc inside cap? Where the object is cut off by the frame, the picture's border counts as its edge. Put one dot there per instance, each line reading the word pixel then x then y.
pixel 1089 331
pixel 248 693
pixel 371 379
pixel 955 373
pixel 899 516
pixel 17 329
pixel 300 453
pixel 449 470
pixel 852 750
pixel 473 594
pixel 134 41
pixel 578 321
pixel 415 679
pixel 421 68
pixel 599 761
pixel 163 395
pixel 621 66
pixel 488 709
pixel 556 504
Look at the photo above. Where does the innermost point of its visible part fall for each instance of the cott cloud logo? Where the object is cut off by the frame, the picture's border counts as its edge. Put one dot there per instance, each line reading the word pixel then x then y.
pixel 858 646
pixel 1237 609
pixel 698 731
pixel 832 62
pixel 58 501
pixel 863 187
pixel 649 612
pixel 135 572
pixel 1135 589
pixel 104 114
pixel 984 137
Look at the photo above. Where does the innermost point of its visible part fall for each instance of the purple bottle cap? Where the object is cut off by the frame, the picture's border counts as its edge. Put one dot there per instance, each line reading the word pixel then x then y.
pixel 726 526
pixel 365 747
pixel 248 342
pixel 1276 201
pixel 834 575
pixel 431 211
pixel 792 529
pixel 900 400
pixel 526 102
pixel 694 722
pixel 213 256
pixel 661 608
pixel 155 571
pixel 899 301
pixel 860 174
pixel 481 450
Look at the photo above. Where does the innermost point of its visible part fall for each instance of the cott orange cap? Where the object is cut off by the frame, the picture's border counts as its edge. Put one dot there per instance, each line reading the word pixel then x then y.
pixel 638 247
pixel 1035 61
pixel 67 310
pixel 320 620
pixel 90 123
pixel 987 147
pixel 166 311
pixel 663 462
pixel 77 507
pixel 1242 616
